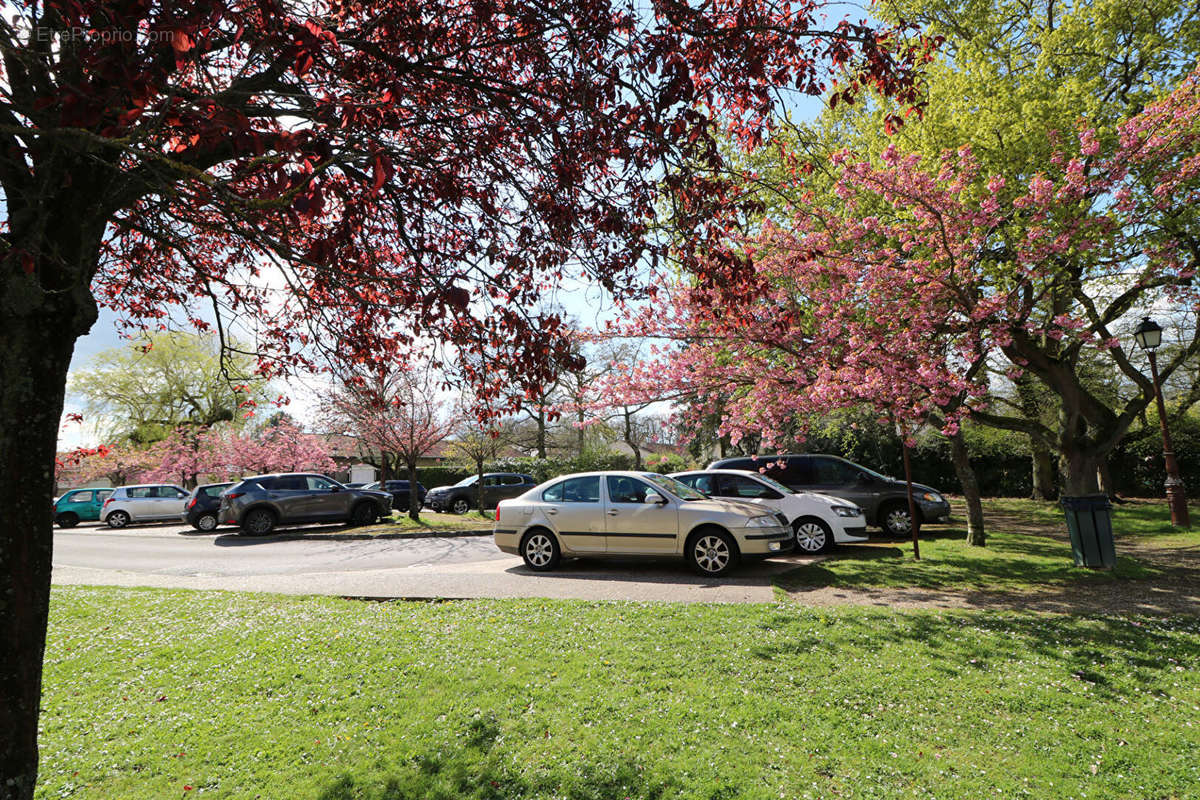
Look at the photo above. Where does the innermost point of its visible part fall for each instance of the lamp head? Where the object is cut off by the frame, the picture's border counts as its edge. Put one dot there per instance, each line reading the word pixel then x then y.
pixel 1148 334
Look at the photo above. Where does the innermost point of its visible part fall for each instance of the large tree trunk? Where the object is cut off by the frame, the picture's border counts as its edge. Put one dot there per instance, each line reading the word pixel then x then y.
pixel 1082 465
pixel 37 338
pixel 970 486
pixel 1045 483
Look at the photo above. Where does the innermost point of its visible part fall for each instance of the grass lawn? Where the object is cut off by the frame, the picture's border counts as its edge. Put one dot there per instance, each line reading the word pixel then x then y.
pixel 1027 550
pixel 431 522
pixel 169 694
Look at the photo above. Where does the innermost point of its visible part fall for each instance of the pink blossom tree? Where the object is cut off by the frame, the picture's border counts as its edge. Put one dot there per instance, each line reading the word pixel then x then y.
pixel 908 279
pixel 395 414
pixel 281 446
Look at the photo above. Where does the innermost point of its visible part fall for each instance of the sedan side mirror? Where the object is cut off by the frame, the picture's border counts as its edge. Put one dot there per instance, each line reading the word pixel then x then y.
pixel 335 488
pixel 655 498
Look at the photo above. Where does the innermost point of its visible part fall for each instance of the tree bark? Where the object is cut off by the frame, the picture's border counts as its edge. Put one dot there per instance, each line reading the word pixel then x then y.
pixel 37 338
pixel 1082 471
pixel 414 498
pixel 629 440
pixel 970 485
pixel 1045 483
pixel 541 433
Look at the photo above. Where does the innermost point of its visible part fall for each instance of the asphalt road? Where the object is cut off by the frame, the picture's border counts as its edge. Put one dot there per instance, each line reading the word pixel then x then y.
pixel 442 567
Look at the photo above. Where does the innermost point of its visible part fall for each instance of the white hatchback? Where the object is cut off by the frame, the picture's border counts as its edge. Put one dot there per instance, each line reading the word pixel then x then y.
pixel 819 520
pixel 635 514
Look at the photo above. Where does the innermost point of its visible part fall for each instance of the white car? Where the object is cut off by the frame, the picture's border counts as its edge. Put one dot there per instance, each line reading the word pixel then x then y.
pixel 819 520
pixel 634 514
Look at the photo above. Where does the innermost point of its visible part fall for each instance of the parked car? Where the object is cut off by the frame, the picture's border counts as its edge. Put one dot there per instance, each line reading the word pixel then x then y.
pixel 202 507
pixel 884 500
pixel 463 496
pixel 150 502
pixel 819 520
pixel 79 505
pixel 400 493
pixel 634 514
pixel 258 504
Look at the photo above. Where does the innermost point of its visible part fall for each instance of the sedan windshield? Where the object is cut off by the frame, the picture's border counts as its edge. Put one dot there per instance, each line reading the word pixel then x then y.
pixel 681 490
pixel 467 481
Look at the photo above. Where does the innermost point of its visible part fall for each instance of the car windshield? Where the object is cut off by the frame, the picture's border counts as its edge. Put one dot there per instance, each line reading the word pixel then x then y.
pixel 467 481
pixel 680 490
pixel 774 484
pixel 877 475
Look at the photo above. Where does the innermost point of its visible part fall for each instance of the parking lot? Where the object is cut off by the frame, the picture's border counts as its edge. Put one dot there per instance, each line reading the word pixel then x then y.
pixel 312 560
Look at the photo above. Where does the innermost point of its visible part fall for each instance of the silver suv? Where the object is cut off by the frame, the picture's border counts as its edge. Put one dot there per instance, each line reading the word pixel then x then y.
pixel 635 514
pixel 143 503
pixel 258 504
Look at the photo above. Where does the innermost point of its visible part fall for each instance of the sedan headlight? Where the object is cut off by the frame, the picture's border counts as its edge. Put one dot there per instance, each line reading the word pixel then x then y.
pixel 762 522
pixel 932 497
pixel 847 511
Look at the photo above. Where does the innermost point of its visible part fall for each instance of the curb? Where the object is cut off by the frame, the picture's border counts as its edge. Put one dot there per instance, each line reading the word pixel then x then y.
pixel 369 537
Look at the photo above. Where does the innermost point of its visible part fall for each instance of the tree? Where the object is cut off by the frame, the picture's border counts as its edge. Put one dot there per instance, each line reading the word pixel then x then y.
pixel 410 170
pixel 282 446
pixel 396 414
pixel 1012 81
pixel 143 391
pixel 118 465
pixel 477 443
pixel 899 293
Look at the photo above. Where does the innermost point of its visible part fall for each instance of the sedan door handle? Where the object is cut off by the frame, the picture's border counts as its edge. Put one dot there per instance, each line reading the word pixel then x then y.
pixel 612 512
pixel 551 510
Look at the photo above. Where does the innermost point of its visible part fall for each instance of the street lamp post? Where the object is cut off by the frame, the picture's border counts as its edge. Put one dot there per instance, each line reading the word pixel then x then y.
pixel 1149 336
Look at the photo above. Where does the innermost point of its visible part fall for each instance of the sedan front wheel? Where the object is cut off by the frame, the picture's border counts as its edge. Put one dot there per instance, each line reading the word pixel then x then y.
pixel 460 506
pixel 712 553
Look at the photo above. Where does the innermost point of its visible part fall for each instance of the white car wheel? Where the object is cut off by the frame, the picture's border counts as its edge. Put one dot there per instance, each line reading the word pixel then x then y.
pixel 812 535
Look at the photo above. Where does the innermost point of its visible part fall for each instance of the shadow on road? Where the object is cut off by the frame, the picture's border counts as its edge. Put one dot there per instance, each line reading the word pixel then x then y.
pixel 664 571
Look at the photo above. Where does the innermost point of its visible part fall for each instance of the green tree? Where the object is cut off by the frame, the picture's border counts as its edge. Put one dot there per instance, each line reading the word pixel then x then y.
pixel 141 392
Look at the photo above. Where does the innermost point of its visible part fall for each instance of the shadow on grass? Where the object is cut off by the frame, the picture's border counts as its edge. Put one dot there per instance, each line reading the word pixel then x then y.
pixel 1088 649
pixel 1010 561
pixel 477 770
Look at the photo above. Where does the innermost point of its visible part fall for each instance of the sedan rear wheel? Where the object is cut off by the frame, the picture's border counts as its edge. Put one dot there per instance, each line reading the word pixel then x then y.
pixel 540 551
pixel 67 520
pixel 712 553
pixel 364 514
pixel 812 535
pixel 206 522
pixel 117 519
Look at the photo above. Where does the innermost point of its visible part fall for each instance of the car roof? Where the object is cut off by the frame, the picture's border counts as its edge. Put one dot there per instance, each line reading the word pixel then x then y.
pixel 720 471
pixel 143 485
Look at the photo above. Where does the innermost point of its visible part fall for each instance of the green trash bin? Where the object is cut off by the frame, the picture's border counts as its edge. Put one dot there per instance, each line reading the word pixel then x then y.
pixel 1089 520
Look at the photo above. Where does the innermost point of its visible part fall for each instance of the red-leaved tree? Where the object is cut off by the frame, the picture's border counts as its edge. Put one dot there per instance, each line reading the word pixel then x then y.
pixel 354 177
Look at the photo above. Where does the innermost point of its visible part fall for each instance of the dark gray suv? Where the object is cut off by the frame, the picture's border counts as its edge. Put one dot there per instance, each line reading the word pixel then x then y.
pixel 258 504
pixel 884 500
